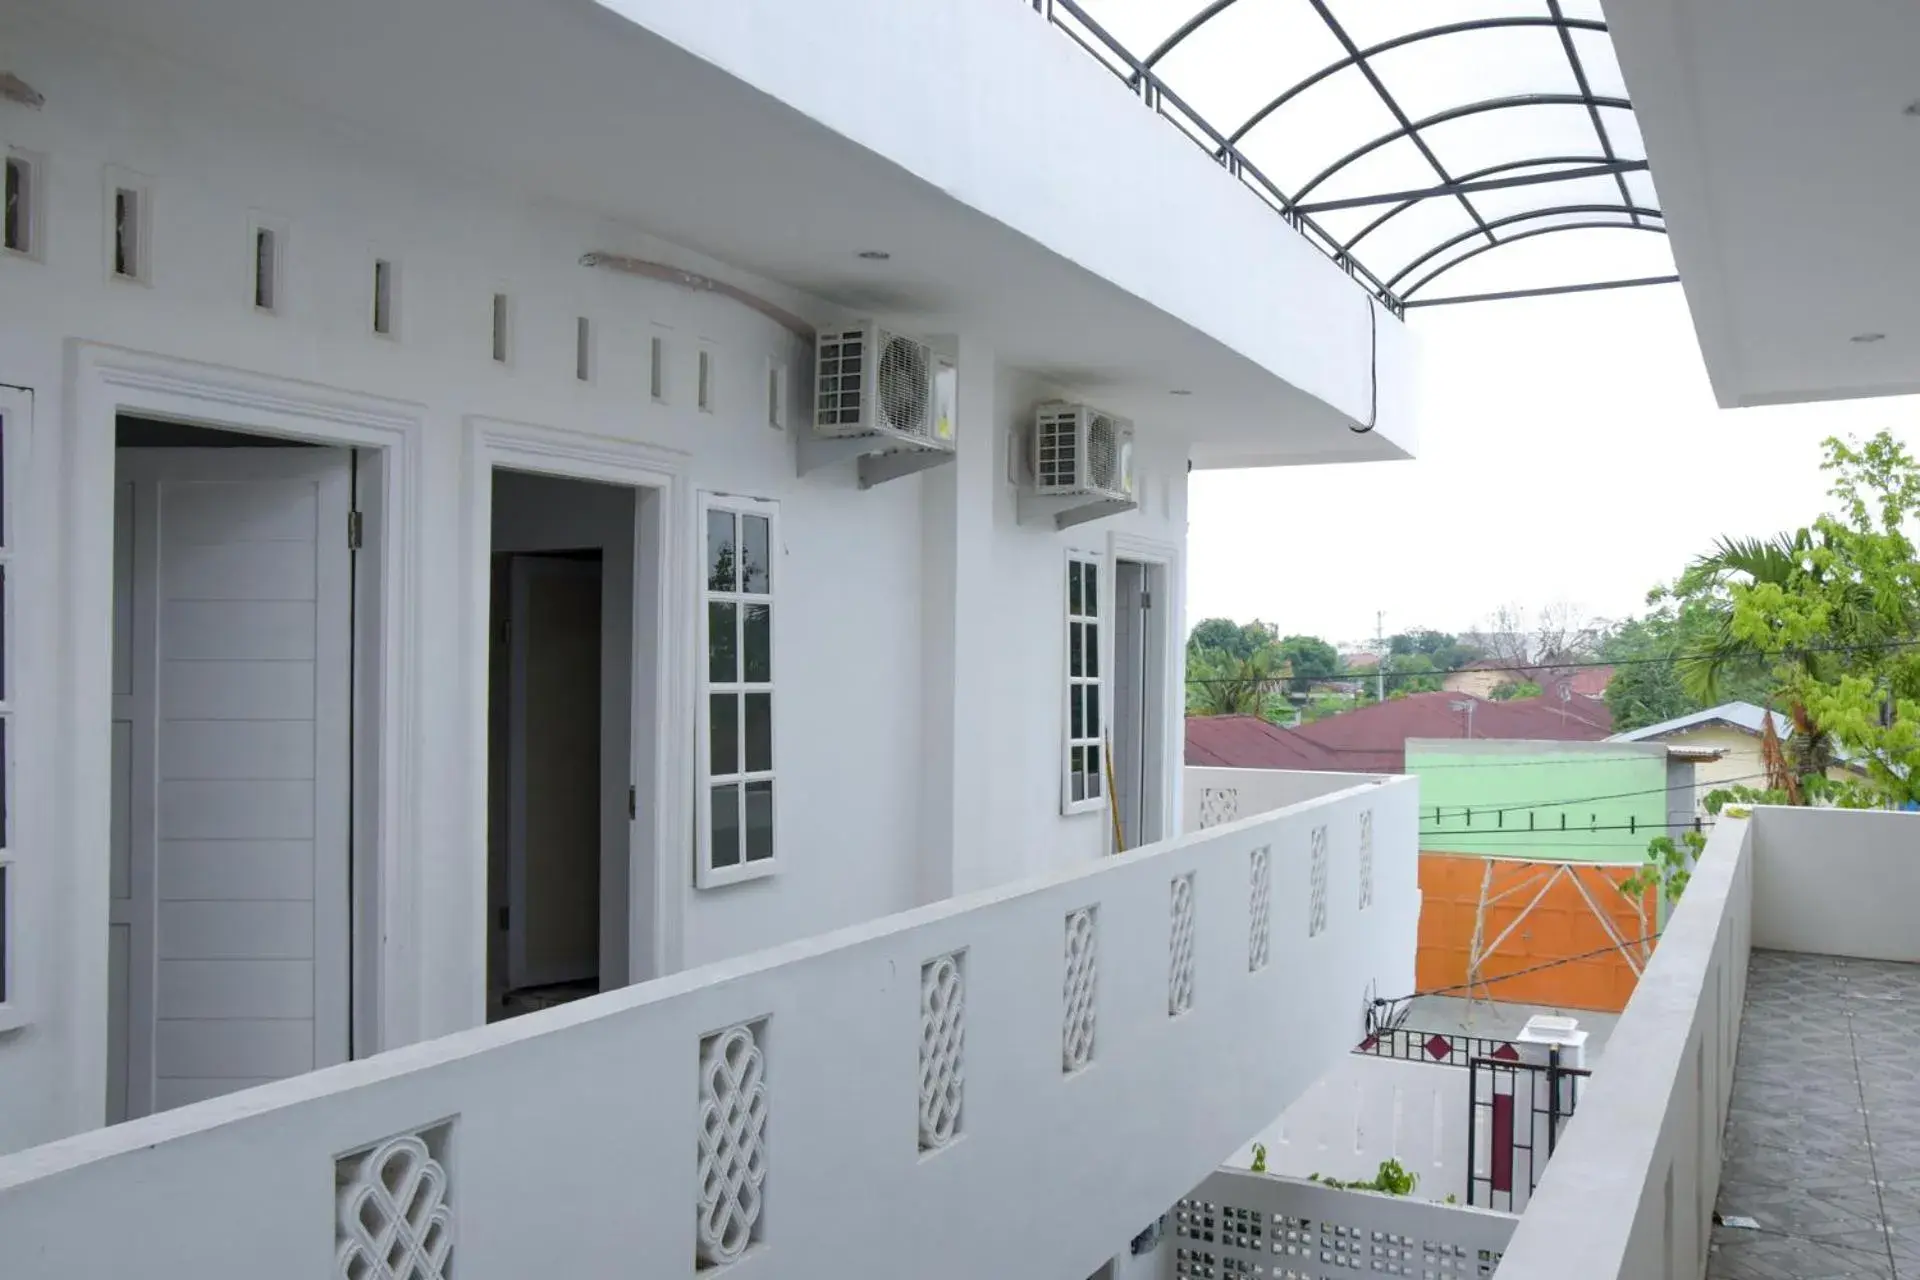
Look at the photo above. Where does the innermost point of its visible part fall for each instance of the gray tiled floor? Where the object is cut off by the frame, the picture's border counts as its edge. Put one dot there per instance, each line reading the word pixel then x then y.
pixel 1823 1138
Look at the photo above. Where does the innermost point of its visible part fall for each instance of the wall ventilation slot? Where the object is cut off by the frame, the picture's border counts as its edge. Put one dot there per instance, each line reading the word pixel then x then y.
pixel 266 250
pixel 500 328
pixel 128 261
pixel 21 233
pixel 703 389
pixel 383 297
pixel 657 369
pixel 583 349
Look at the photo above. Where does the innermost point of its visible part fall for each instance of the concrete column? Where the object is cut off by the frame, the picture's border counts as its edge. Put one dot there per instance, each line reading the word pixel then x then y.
pixel 957 638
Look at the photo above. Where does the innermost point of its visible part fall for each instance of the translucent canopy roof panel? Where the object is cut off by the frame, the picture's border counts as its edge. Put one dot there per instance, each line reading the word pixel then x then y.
pixel 1442 150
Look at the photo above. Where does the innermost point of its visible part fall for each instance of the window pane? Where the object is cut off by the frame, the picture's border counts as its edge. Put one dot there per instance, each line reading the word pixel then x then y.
pixel 726 825
pixel 759 737
pixel 759 821
pixel 723 664
pixel 1093 711
pixel 1075 640
pixel 3 934
pixel 1092 641
pixel 1076 711
pixel 757 644
pixel 1073 586
pixel 756 555
pixel 1092 592
pixel 1077 773
pixel 3 631
pixel 720 551
pixel 1094 776
pixel 723 754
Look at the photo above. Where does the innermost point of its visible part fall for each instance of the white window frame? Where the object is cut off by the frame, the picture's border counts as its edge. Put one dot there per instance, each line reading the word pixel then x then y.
pixel 1094 798
pixel 706 874
pixel 18 423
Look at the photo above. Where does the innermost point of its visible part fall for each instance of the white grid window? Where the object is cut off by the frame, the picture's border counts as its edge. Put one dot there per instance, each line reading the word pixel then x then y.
pixel 1084 781
pixel 739 542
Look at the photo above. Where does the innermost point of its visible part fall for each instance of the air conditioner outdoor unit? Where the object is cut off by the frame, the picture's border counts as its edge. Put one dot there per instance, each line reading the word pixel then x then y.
pixel 872 382
pixel 1078 449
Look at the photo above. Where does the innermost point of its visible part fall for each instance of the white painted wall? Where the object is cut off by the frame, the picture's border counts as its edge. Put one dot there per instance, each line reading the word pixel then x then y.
pixel 1631 1189
pixel 584 1119
pixel 869 768
pixel 1837 882
pixel 1369 1109
pixel 1210 793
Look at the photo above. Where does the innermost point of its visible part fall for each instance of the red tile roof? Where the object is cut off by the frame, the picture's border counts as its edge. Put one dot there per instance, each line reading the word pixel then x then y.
pixel 1373 739
pixel 1248 742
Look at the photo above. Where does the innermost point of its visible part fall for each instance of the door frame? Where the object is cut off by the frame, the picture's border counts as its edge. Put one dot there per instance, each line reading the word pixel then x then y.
pixel 388 966
pixel 662 699
pixel 1166 713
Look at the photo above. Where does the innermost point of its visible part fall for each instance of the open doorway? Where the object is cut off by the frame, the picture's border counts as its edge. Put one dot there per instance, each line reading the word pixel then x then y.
pixel 562 656
pixel 1140 701
pixel 230 942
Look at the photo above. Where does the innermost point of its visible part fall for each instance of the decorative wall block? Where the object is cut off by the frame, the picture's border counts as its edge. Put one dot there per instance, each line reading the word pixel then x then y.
pixel 1317 885
pixel 1078 988
pixel 1259 908
pixel 1366 858
pixel 1218 805
pixel 1180 947
pixel 393 1210
pixel 943 1035
pixel 733 1142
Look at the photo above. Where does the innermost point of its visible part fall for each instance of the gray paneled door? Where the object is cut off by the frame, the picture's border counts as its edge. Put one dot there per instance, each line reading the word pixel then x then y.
pixel 232 680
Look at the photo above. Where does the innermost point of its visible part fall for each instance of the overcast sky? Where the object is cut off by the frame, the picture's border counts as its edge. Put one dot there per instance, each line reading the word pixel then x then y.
pixel 1569 448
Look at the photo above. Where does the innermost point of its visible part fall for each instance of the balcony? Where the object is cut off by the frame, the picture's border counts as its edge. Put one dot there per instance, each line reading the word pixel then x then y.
pixel 1064 1058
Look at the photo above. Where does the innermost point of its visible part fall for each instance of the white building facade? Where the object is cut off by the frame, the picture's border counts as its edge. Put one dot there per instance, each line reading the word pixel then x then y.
pixel 418 607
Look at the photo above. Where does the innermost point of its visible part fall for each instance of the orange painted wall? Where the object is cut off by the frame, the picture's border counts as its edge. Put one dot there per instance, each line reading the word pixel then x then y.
pixel 1562 925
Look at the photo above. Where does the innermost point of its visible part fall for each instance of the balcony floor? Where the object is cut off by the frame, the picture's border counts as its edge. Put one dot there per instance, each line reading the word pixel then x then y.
pixel 1823 1137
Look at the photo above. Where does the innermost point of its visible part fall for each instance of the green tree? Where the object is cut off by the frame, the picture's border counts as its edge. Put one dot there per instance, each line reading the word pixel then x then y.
pixel 1646 687
pixel 1219 684
pixel 1223 635
pixel 1308 658
pixel 1831 612
pixel 1412 673
pixel 1518 689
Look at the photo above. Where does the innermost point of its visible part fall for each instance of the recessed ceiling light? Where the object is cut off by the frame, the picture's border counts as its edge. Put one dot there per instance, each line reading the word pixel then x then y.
pixel 875 255
pixel 1867 337
pixel 1179 391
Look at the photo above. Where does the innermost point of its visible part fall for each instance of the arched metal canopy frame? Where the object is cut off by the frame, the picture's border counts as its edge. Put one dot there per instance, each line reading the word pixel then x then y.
pixel 1603 161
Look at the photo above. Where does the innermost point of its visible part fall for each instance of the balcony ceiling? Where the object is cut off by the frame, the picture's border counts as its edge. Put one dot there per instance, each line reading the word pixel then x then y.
pixel 1787 139
pixel 1455 148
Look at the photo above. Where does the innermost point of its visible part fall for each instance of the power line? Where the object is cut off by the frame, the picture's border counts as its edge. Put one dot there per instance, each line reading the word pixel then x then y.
pixel 1617 795
pixel 1551 668
pixel 1577 829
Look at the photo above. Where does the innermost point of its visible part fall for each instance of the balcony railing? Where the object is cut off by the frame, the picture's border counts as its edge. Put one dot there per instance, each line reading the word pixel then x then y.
pixel 1141 80
pixel 1012 1083
pixel 1631 1189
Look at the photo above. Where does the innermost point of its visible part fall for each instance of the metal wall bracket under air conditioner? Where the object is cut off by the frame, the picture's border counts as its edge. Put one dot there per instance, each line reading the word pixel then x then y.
pixel 876 461
pixel 1066 512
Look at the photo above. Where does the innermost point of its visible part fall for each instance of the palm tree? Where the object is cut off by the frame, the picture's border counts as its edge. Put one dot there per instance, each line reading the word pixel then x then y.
pixel 1709 663
pixel 1224 685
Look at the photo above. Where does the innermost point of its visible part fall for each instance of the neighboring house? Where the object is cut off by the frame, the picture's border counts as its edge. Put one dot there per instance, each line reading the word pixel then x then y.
pixel 1250 742
pixel 1733 731
pixel 1480 679
pixel 1372 739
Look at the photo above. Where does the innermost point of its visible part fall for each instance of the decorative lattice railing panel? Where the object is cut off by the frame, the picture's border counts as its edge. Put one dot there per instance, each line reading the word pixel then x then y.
pixel 1078 988
pixel 943 1036
pixel 1180 946
pixel 393 1209
pixel 732 1168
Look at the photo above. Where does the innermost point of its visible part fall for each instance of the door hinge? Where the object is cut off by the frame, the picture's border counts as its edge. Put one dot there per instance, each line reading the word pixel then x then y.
pixel 1146 599
pixel 633 803
pixel 354 530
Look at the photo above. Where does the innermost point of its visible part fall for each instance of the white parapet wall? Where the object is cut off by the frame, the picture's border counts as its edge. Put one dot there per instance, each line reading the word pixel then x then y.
pixel 1257 1224
pixel 1211 796
pixel 1061 1059
pixel 1837 883
pixel 1630 1192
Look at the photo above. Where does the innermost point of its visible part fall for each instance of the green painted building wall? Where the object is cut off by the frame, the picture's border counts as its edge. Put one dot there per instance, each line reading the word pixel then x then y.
pixel 1566 801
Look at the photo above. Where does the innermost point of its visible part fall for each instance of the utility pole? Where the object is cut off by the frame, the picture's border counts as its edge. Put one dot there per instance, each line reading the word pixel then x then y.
pixel 1380 644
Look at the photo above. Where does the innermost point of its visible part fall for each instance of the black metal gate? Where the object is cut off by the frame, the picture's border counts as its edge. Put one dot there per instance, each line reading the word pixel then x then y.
pixel 1515 1111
